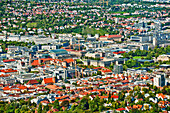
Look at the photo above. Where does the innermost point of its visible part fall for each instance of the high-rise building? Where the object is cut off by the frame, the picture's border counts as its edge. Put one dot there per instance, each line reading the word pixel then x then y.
pixel 118 69
pixel 159 80
pixel 144 47
pixel 154 41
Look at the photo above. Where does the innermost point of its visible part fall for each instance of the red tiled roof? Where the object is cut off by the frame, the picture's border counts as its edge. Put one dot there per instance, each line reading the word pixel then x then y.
pixel 114 96
pixel 103 36
pixel 69 60
pixel 62 97
pixel 161 95
pixel 6 88
pixel 46 59
pixel 10 60
pixel 48 80
pixel 35 63
pixel 45 101
pixel 2 75
pixel 51 87
pixel 146 77
pixel 32 82
pixel 125 81
pixel 119 52
pixel 8 70
pixel 137 106
pixel 22 87
pixel 114 36
pixel 98 68
pixel 120 109
pixel 102 97
pixel 108 70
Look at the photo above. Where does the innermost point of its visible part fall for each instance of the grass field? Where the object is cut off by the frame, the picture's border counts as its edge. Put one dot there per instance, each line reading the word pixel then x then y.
pixel 139 57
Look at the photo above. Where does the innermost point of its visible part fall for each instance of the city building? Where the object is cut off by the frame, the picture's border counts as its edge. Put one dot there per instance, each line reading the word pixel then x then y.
pixel 144 47
pixel 118 69
pixel 159 80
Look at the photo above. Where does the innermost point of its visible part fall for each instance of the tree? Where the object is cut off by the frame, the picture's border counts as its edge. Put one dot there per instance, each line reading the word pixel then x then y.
pixel 109 97
pixel 46 108
pixel 125 67
pixel 99 73
pixel 84 104
pixel 121 96
pixel 65 103
pixel 140 102
pixel 129 99
pixel 136 88
pixel 145 90
pixel 146 107
pixel 101 108
pixel 168 108
pixel 140 96
pixel 17 110
pixel 131 63
pixel 125 55
pixel 40 108
pixel 24 108
pixel 2 109
pixel 92 106
pixel 63 86
pixel 73 107
pixel 114 105
pixel 56 104
pixel 146 64
pixel 149 57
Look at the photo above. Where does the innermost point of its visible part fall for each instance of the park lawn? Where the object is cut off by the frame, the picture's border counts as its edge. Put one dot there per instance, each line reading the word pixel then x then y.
pixel 139 57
